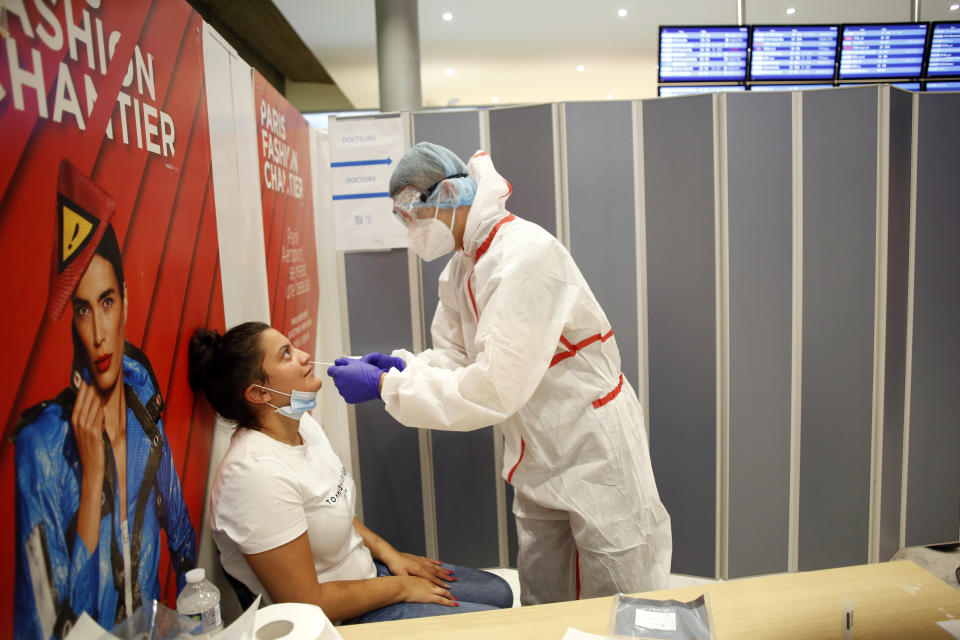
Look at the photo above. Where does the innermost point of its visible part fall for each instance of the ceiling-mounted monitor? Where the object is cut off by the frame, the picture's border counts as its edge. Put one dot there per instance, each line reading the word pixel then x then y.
pixel 893 50
pixel 782 52
pixel 685 90
pixel 944 58
pixel 943 86
pixel 703 54
pixel 909 86
pixel 790 87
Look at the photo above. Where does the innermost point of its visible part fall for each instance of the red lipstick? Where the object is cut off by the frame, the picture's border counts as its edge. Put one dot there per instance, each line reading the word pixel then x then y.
pixel 103 363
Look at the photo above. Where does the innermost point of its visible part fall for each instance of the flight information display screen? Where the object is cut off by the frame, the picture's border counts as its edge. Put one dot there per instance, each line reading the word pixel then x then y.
pixel 944 50
pixel 882 50
pixel 943 86
pixel 794 52
pixel 788 87
pixel 685 91
pixel 691 54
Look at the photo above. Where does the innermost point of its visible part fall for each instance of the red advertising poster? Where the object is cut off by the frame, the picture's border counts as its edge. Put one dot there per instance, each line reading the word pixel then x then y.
pixel 283 140
pixel 108 250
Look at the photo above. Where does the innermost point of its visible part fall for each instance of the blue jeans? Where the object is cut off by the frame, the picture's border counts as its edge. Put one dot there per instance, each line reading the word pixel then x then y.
pixel 475 590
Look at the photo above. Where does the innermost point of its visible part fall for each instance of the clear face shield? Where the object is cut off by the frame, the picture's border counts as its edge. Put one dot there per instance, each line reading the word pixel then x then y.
pixel 429 236
pixel 411 204
pixel 407 205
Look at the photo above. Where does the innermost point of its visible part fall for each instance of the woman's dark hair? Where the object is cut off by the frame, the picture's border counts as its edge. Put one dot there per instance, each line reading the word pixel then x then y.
pixel 224 366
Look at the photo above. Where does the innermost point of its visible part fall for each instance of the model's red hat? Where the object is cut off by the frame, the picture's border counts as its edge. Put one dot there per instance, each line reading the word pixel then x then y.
pixel 83 213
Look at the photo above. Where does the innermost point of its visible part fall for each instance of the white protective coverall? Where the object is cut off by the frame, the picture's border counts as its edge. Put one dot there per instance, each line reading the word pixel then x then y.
pixel 521 342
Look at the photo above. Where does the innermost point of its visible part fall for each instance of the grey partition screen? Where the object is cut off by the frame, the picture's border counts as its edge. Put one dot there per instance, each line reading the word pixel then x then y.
pixel 463 463
pixel 459 131
pixel 898 249
pixel 933 480
pixel 839 137
pixel 679 209
pixel 760 230
pixel 522 149
pixel 378 301
pixel 600 185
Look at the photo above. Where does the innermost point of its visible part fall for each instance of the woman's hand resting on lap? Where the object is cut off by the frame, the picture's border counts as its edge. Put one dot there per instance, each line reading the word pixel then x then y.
pixel 417 589
pixel 407 564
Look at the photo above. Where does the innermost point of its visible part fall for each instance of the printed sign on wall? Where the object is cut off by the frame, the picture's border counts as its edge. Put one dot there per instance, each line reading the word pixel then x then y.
pixel 363 152
pixel 283 140
pixel 109 252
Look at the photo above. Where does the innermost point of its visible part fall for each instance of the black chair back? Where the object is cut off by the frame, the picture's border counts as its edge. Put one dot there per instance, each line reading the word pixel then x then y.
pixel 244 595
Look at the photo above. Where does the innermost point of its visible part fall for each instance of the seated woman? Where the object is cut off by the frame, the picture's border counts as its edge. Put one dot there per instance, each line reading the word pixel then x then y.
pixel 282 503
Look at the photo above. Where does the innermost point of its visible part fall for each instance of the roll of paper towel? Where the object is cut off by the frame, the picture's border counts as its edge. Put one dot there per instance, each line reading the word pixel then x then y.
pixel 294 621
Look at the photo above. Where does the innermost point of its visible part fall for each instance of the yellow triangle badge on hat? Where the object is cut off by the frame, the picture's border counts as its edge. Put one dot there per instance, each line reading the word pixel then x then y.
pixel 77 226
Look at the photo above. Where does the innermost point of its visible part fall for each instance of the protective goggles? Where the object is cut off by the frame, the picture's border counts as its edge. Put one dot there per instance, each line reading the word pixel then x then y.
pixel 406 203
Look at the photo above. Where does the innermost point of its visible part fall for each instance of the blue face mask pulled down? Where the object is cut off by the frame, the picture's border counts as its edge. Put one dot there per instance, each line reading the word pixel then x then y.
pixel 300 402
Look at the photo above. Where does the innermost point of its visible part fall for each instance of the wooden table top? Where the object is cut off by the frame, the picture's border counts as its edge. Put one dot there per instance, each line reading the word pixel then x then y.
pixel 895 600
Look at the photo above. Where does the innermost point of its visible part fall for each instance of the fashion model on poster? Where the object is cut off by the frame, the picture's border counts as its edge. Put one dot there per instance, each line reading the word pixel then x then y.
pixel 95 479
pixel 521 342
pixel 282 504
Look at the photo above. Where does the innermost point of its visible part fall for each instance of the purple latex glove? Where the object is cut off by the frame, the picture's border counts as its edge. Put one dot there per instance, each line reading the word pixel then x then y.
pixel 356 380
pixel 384 362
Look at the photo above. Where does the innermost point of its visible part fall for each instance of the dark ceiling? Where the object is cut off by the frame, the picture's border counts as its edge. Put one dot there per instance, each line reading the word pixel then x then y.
pixel 264 39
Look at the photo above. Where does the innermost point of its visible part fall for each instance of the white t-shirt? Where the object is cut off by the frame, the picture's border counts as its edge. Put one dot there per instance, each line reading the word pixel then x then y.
pixel 267 493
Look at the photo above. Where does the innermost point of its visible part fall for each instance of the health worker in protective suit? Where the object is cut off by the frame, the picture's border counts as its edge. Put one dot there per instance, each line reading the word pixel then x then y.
pixel 521 342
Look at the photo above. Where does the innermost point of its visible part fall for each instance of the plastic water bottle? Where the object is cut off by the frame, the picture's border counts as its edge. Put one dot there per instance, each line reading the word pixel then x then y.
pixel 200 600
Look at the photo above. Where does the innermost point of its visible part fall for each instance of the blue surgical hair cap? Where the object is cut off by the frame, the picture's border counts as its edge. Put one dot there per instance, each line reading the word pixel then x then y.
pixel 423 166
pixel 456 192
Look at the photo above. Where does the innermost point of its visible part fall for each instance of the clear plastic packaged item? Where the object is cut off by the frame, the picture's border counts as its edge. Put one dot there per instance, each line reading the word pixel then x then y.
pixel 659 619
pixel 200 600
pixel 155 621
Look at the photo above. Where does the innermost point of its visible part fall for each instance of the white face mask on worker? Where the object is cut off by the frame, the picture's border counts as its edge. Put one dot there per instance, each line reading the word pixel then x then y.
pixel 431 238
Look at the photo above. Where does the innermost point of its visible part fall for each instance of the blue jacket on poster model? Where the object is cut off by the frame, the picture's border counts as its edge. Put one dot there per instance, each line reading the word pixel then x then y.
pixel 56 577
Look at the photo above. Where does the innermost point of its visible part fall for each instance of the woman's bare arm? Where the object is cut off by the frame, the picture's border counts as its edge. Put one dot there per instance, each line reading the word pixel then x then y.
pixel 288 575
pixel 403 564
